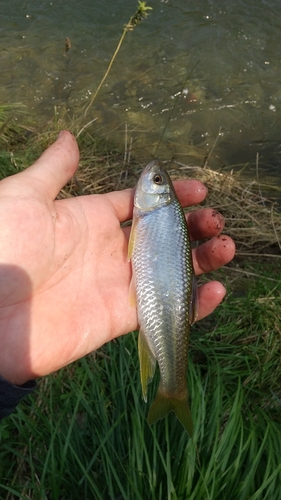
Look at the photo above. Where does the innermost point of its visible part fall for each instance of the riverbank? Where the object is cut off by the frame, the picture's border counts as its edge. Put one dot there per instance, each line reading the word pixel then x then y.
pixel 84 433
pixel 250 205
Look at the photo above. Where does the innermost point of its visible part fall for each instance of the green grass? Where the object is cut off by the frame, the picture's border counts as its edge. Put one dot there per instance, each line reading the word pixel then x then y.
pixel 84 433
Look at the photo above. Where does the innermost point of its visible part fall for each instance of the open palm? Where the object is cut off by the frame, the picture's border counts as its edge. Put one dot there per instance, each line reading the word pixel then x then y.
pixel 64 272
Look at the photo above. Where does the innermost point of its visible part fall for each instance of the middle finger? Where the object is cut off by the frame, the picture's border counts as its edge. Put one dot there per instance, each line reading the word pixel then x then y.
pixel 204 223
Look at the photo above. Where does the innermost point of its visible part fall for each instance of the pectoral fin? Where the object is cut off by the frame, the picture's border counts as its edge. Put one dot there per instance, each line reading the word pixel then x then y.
pixel 147 363
pixel 132 293
pixel 132 240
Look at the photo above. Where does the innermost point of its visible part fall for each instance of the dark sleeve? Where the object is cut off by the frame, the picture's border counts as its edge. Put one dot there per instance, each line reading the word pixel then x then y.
pixel 11 395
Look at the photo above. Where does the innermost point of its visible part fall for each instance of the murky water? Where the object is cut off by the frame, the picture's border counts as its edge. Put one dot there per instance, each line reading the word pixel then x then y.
pixel 192 72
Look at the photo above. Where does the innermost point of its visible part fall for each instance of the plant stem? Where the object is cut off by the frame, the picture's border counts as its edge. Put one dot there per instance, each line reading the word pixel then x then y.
pixel 138 16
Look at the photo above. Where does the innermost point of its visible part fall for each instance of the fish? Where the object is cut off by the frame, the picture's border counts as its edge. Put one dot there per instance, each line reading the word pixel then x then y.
pixel 164 290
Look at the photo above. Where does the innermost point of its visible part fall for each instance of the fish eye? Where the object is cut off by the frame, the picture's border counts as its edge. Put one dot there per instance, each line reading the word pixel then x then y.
pixel 158 179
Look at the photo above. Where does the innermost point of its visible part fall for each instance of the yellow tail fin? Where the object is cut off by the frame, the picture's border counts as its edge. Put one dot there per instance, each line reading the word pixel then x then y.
pixel 163 404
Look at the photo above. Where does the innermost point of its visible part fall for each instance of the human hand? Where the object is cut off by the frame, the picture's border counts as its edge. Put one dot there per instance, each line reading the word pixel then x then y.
pixel 64 272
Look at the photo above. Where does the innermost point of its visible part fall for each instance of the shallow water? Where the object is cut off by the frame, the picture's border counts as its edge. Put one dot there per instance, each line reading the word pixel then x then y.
pixel 190 74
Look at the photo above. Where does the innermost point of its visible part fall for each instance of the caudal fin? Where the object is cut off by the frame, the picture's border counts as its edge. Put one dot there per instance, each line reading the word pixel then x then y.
pixel 163 404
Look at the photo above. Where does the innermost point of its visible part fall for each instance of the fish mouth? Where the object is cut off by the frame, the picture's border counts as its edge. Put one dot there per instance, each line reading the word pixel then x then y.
pixel 153 163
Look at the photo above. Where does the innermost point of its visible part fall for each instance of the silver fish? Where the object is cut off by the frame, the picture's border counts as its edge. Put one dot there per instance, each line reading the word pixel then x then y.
pixel 165 291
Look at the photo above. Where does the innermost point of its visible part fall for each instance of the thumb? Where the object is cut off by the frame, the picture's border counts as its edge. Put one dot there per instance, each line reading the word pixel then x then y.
pixel 50 172
pixel 56 165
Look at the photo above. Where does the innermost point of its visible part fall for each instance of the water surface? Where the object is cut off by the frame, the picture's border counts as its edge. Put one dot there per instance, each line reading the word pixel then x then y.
pixel 190 71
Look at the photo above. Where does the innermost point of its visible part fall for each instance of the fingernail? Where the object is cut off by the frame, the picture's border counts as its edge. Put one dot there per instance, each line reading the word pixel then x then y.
pixel 60 134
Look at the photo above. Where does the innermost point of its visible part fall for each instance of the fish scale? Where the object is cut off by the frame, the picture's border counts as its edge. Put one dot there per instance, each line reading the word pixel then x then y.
pixel 164 287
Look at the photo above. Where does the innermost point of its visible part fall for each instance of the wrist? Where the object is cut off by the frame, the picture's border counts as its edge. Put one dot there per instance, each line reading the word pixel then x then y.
pixel 13 376
pixel 14 380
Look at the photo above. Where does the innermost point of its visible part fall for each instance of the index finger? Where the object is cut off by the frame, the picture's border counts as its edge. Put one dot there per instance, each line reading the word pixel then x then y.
pixel 190 192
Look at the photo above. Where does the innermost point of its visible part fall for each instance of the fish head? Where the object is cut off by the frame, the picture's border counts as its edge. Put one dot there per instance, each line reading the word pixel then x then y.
pixel 154 188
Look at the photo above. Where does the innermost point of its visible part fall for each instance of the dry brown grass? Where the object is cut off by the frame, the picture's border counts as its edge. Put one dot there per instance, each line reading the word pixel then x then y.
pixel 252 220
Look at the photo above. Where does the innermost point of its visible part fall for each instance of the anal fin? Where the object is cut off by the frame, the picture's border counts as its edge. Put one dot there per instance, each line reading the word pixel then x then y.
pixel 147 363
